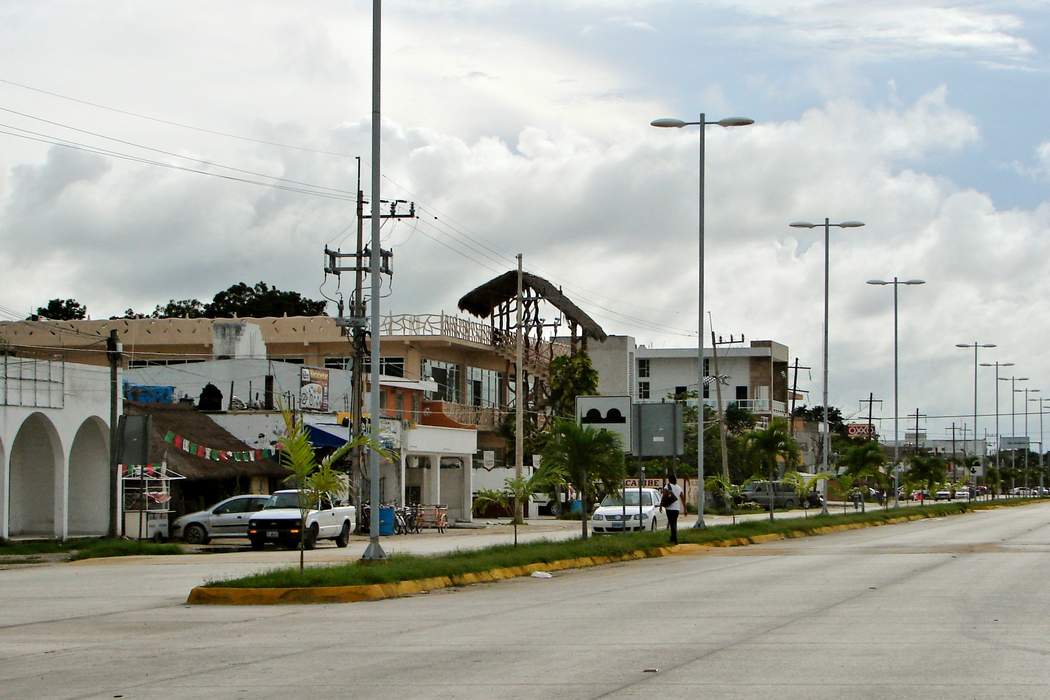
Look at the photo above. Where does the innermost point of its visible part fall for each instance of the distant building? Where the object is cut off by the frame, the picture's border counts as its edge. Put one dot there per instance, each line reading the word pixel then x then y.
pixel 754 377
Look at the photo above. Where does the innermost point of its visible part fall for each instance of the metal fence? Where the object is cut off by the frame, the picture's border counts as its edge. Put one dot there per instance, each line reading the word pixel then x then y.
pixel 32 383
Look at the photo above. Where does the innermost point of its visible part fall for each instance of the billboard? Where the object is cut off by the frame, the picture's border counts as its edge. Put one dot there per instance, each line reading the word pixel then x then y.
pixel 313 389
pixel 1013 443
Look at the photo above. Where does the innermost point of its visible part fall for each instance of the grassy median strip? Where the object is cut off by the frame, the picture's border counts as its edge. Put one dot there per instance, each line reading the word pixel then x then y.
pixel 410 567
pixel 84 548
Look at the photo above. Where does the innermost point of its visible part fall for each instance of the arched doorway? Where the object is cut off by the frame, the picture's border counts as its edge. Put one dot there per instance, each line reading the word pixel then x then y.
pixel 36 458
pixel 89 497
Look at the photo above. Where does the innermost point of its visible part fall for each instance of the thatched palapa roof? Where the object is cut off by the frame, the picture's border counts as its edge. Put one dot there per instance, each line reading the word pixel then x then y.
pixel 483 300
pixel 200 428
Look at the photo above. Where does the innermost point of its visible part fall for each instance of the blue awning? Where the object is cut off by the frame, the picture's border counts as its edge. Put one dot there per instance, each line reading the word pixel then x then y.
pixel 321 437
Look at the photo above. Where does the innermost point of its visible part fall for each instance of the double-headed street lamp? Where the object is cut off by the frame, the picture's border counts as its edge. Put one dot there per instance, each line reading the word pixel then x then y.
pixel 975 345
pixel 998 438
pixel 827 240
pixel 1027 442
pixel 1013 414
pixel 896 411
pixel 703 124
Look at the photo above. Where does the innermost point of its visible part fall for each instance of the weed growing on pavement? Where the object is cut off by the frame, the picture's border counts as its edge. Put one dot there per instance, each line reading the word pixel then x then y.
pixel 408 567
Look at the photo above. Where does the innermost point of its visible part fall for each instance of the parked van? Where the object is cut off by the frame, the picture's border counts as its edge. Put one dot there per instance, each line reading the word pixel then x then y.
pixel 784 494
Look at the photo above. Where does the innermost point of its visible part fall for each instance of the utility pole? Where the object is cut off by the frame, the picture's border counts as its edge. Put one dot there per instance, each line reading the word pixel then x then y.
pixel 718 395
pixel 916 416
pixel 519 397
pixel 113 354
pixel 794 392
pixel 356 326
pixel 953 449
pixel 871 401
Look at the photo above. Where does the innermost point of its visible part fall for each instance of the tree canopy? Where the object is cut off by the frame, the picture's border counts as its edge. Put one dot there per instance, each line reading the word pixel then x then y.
pixel 571 376
pixel 257 301
pixel 63 310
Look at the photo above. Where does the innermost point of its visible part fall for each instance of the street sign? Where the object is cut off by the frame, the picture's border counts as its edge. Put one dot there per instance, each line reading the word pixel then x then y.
pixel 658 430
pixel 610 413
pixel 1013 443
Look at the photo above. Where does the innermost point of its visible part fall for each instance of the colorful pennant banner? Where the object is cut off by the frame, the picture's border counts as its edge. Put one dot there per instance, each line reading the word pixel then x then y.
pixel 217 455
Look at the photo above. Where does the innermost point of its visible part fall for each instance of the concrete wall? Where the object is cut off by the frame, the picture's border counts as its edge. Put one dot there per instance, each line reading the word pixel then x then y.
pixel 54 461
pixel 615 362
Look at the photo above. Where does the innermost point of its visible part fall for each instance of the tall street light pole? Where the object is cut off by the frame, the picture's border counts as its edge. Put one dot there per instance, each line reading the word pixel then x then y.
pixel 1027 442
pixel 703 124
pixel 1013 415
pixel 998 438
pixel 975 345
pixel 827 240
pixel 896 410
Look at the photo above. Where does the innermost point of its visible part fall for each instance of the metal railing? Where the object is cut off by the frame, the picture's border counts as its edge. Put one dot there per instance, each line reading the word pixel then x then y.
pixel 485 418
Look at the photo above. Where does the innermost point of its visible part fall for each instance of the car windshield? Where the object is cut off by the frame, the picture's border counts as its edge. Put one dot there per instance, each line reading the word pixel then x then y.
pixel 632 499
pixel 283 500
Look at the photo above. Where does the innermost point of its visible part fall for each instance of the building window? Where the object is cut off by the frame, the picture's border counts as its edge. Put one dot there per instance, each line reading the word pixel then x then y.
pixel 483 387
pixel 707 367
pixel 643 368
pixel 643 390
pixel 741 394
pixel 338 363
pixel 293 360
pixel 707 390
pixel 679 392
pixel 446 376
pixel 388 366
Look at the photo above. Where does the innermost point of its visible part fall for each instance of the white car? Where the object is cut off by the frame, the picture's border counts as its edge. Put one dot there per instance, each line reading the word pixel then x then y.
pixel 614 515
pixel 227 518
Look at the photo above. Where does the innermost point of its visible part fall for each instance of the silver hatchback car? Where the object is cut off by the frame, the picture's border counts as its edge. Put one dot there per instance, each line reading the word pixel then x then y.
pixel 227 518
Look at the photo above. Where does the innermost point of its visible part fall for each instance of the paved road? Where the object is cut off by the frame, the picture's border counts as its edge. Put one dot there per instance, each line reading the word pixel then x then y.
pixel 949 608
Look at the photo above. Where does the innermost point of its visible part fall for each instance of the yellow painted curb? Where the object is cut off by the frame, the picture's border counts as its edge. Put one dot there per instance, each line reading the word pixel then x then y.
pixel 380 591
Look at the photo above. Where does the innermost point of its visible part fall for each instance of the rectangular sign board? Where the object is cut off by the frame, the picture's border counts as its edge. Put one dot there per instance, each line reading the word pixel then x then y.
pixel 610 413
pixel 1013 443
pixel 658 429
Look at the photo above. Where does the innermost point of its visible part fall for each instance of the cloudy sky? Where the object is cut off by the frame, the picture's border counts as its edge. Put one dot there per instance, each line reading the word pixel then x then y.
pixel 523 127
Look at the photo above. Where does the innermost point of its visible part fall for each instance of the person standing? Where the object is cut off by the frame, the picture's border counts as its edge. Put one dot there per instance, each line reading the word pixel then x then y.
pixel 675 508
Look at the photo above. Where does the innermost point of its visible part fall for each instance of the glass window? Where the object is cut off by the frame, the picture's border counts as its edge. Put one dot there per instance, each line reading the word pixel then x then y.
pixel 643 368
pixel 338 362
pixel 643 390
pixel 446 376
pixel 388 366
pixel 483 387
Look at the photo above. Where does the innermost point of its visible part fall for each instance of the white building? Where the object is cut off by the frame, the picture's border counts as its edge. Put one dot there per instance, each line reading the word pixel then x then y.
pixel 54 449
pixel 754 377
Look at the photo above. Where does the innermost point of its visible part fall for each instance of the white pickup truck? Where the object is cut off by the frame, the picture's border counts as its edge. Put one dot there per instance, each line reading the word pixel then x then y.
pixel 280 519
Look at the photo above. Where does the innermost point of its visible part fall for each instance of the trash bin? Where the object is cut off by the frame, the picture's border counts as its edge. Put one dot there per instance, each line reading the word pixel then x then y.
pixel 576 507
pixel 386 521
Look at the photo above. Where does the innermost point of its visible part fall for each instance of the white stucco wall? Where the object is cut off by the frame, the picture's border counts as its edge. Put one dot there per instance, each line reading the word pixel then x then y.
pixel 39 449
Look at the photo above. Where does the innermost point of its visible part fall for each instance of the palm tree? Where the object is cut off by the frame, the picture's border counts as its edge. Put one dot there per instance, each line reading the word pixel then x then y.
pixel 803 484
pixel 865 462
pixel 311 478
pixel 926 470
pixel 771 445
pixel 726 490
pixel 845 483
pixel 519 489
pixel 589 457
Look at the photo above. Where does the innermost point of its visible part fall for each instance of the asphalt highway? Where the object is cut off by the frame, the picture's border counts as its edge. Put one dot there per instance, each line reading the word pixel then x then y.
pixel 955 607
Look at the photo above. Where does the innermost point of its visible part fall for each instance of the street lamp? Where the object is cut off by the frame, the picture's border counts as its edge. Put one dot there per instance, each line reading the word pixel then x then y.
pixel 975 345
pixel 703 124
pixel 1040 402
pixel 1027 442
pixel 827 239
pixel 896 411
pixel 1013 416
pixel 998 438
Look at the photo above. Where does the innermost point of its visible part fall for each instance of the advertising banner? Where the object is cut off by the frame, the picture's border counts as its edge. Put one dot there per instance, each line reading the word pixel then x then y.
pixel 313 389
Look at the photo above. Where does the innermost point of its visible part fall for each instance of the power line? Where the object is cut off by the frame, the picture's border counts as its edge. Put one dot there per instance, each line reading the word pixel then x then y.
pixel 170 122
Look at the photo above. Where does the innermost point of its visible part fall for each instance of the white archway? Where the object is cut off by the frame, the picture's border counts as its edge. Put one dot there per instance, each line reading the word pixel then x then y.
pixel 35 473
pixel 88 493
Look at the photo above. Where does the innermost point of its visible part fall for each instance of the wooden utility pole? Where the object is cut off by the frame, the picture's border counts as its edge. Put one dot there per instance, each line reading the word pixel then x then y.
pixel 113 354
pixel 916 416
pixel 718 395
pixel 871 401
pixel 519 398
pixel 794 393
pixel 356 325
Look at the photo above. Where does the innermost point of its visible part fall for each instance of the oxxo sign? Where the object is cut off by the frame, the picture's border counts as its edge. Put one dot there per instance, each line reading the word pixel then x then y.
pixel 860 430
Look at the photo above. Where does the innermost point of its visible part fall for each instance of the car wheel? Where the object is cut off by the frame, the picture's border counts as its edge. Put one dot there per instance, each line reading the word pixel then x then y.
pixel 555 508
pixel 344 536
pixel 311 538
pixel 789 504
pixel 195 534
pixel 257 544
